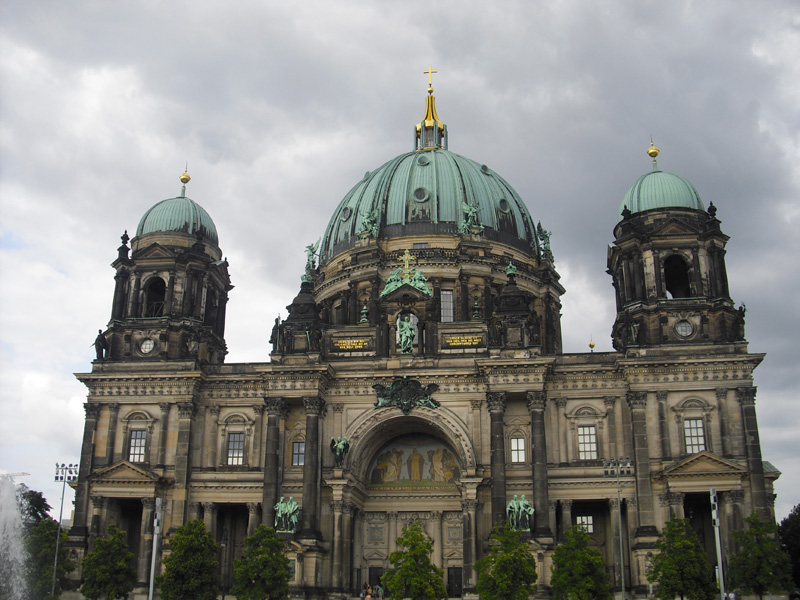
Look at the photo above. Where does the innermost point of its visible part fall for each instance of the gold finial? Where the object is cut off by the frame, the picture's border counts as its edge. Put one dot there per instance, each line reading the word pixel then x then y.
pixel 591 345
pixel 430 71
pixel 652 152
pixel 185 175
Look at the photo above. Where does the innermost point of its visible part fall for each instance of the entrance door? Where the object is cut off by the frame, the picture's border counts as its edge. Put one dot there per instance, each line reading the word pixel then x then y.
pixel 375 574
pixel 454 582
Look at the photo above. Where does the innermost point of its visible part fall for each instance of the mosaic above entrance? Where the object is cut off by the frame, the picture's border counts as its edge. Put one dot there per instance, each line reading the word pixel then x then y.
pixel 414 462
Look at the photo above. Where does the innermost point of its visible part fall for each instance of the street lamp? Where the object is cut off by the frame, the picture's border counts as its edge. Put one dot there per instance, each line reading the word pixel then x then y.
pixel 64 474
pixel 614 467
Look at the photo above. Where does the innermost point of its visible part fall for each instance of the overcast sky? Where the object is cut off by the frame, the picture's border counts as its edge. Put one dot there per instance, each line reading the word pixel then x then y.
pixel 279 109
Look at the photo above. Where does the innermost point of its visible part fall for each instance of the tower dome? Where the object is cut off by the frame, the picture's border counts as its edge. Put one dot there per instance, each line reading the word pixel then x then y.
pixel 659 189
pixel 430 190
pixel 178 215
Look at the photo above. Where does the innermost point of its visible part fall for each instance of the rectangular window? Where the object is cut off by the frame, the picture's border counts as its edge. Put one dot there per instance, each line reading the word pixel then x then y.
pixel 694 435
pixel 587 442
pixel 586 522
pixel 447 306
pixel 517 450
pixel 236 448
pixel 298 453
pixel 419 245
pixel 136 445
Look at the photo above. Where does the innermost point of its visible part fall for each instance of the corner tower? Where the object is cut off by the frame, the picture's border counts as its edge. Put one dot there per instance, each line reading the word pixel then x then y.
pixel 171 292
pixel 668 267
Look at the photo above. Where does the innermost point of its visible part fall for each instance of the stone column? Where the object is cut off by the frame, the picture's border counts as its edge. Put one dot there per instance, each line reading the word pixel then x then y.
pixel 182 449
pixel 337 507
pixel 98 502
pixel 258 434
pixel 275 407
pixel 87 454
pixel 540 526
pixel 747 400
pixel 551 515
pixel 437 517
pixel 252 517
pixel 469 509
pixel 722 410
pixel 315 407
pixel 637 402
pixel 563 430
pixel 392 517
pixel 113 413
pixel 162 434
pixel 497 406
pixel 614 512
pixel 194 511
pixel 118 306
pixel 211 425
pixel 348 532
pixel 145 541
pixel 663 430
pixel 209 510
pixel 733 504
pixel 672 503
pixel 566 514
pixel 609 402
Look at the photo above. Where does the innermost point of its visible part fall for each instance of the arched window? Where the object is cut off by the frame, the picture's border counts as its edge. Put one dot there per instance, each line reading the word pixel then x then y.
pixel 676 277
pixel 155 293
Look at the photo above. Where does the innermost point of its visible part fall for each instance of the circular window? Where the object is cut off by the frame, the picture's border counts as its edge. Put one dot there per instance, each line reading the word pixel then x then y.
pixel 683 328
pixel 421 194
pixel 423 160
pixel 346 212
pixel 147 345
pixel 503 204
pixel 485 170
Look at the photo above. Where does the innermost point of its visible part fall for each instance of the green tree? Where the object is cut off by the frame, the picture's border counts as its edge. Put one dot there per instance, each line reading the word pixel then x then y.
pixel 579 572
pixel 191 571
pixel 32 506
pixel 681 566
pixel 41 546
pixel 263 568
pixel 508 571
pixel 414 575
pixel 760 565
pixel 108 571
pixel 789 537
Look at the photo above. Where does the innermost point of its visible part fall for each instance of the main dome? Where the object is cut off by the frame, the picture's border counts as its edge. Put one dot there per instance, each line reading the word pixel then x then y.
pixel 430 191
pixel 178 215
pixel 424 192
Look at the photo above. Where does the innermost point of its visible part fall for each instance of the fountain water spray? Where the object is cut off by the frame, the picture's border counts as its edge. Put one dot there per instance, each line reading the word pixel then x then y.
pixel 13 554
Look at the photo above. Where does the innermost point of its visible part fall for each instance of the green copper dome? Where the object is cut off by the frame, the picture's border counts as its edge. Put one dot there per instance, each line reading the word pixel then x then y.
pixel 659 189
pixel 180 215
pixel 425 192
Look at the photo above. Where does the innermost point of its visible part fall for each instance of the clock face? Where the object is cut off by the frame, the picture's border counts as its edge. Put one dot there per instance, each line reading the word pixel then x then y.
pixel 683 328
pixel 146 345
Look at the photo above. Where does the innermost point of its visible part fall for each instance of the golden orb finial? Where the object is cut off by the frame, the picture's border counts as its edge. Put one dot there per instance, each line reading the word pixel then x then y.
pixel 185 178
pixel 652 151
pixel 591 346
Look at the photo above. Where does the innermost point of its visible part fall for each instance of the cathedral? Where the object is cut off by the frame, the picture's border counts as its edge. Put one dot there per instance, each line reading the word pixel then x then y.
pixel 419 377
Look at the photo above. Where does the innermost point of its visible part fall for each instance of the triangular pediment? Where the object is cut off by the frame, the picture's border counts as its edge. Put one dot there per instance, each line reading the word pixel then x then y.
pixel 124 472
pixel 675 227
pixel 703 464
pixel 154 250
pixel 404 294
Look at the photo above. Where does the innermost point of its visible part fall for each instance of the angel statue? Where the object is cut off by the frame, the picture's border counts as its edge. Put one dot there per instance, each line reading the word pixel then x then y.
pixel 340 447
pixel 311 253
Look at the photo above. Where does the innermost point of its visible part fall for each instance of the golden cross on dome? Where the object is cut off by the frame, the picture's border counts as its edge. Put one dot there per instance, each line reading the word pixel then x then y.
pixel 430 73
pixel 407 258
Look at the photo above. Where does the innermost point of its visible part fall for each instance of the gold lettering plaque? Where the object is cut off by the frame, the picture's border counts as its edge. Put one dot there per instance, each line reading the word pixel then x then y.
pixel 462 341
pixel 350 345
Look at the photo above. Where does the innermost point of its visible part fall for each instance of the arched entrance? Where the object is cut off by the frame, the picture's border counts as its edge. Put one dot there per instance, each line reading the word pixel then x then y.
pixel 408 468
